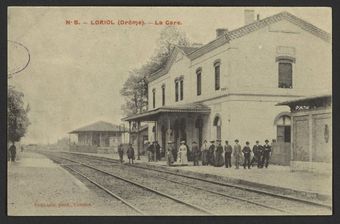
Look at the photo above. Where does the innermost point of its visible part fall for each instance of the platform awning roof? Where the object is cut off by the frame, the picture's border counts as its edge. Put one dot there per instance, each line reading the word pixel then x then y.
pixel 306 100
pixel 308 103
pixel 152 115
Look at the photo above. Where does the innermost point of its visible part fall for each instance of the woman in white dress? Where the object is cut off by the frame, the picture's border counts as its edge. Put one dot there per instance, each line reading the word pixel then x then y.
pixel 182 154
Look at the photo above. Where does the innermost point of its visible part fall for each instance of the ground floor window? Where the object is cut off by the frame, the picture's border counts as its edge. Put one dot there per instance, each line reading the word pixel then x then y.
pixel 217 124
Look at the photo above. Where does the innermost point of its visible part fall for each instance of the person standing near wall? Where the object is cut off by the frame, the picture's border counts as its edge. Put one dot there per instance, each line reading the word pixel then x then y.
pixel 120 152
pixel 267 149
pixel 182 154
pixel 158 152
pixel 169 153
pixel 130 153
pixel 205 151
pixel 219 154
pixel 237 153
pixel 227 154
pixel 257 154
pixel 211 153
pixel 246 153
pixel 195 153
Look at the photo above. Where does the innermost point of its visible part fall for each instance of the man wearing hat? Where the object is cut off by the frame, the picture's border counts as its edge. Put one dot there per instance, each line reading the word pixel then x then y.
pixel 257 151
pixel 205 151
pixel 246 153
pixel 150 150
pixel 227 154
pixel 157 151
pixel 237 153
pixel 195 152
pixel 267 149
pixel 169 153
pixel 211 153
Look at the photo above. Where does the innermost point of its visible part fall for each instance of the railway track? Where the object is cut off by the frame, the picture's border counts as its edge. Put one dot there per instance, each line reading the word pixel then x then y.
pixel 260 199
pixel 287 197
pixel 198 210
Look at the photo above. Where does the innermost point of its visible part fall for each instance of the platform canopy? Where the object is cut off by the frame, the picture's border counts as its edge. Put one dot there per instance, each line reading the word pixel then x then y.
pixel 153 115
pixel 311 102
pixel 99 126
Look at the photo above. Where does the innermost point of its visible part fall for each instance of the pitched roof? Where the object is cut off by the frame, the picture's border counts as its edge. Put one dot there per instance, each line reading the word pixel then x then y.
pixel 100 126
pixel 244 30
pixel 165 69
pixel 188 50
pixel 183 108
pixel 196 52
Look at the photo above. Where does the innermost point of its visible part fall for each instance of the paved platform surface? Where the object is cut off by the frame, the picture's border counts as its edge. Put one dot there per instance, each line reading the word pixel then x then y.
pixel 274 175
pixel 37 186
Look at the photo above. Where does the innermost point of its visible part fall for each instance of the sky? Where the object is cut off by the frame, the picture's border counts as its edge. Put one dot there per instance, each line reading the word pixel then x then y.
pixel 76 71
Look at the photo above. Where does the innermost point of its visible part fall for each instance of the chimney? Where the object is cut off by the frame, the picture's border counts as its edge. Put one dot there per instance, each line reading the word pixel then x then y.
pixel 249 16
pixel 220 32
pixel 258 17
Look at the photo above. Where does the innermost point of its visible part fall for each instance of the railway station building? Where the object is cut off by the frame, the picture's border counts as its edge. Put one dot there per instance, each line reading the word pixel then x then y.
pixel 98 136
pixel 228 88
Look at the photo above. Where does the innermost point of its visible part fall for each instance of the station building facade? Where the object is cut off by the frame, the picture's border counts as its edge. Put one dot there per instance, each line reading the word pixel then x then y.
pixel 227 89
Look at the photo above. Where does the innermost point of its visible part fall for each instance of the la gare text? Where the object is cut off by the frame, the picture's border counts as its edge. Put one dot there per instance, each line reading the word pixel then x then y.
pixel 123 22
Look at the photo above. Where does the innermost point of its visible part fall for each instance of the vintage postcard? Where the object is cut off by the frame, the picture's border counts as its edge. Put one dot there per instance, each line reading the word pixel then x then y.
pixel 204 111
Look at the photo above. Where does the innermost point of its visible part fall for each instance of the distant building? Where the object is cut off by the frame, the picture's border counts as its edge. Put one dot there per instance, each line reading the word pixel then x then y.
pixel 228 88
pixel 98 135
pixel 311 133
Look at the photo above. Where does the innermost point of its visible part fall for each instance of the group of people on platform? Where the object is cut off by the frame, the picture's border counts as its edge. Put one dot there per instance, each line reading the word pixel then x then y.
pixel 153 151
pixel 213 154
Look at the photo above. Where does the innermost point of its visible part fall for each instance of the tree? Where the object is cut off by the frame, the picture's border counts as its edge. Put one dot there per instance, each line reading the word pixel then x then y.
pixel 17 120
pixel 135 91
pixel 135 88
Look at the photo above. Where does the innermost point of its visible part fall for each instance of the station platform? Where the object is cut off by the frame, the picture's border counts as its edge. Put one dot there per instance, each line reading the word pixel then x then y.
pixel 39 187
pixel 274 178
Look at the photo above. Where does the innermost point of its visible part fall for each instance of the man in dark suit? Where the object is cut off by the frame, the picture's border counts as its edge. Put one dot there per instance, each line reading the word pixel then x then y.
pixel 227 154
pixel 257 151
pixel 267 149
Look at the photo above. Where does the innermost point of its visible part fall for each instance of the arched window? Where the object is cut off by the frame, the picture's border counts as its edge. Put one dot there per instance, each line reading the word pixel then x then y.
pixel 217 123
pixel 283 123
